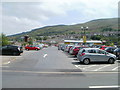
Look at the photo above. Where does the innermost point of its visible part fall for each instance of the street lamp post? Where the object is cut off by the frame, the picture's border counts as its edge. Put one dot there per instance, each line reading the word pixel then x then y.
pixel 84 36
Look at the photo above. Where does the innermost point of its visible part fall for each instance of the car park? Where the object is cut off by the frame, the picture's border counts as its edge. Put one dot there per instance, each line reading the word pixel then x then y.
pixel 117 53
pixel 32 47
pixel 11 50
pixel 87 55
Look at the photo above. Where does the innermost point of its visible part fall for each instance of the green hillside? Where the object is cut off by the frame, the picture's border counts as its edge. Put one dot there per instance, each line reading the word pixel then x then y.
pixel 98 25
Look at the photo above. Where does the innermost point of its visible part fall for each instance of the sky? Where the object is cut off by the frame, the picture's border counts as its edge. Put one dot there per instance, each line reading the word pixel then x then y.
pixel 21 16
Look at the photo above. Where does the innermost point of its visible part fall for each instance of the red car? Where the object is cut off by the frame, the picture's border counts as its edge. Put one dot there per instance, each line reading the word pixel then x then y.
pixel 76 50
pixel 103 47
pixel 31 47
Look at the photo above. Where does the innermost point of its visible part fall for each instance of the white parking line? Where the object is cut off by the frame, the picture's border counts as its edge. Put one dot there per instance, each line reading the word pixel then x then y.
pixel 117 60
pixel 101 67
pixel 78 67
pixel 45 55
pixel 89 66
pixel 116 86
pixel 115 68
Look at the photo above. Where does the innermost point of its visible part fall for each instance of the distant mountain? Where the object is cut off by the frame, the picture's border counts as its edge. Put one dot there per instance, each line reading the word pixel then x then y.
pixel 98 25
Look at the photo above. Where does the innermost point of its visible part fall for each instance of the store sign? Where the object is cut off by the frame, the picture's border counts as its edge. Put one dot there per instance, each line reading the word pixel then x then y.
pixel 84 39
pixel 67 42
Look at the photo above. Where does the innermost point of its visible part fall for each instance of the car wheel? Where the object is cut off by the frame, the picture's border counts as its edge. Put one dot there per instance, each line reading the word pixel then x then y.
pixel 86 61
pixel 36 49
pixel 14 53
pixel 111 61
pixel 27 49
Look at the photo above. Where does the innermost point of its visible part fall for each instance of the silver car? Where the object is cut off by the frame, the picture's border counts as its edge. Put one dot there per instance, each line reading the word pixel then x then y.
pixel 88 55
pixel 67 47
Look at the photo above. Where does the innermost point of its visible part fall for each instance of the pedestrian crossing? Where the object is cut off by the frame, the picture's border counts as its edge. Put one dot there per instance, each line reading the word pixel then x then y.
pixel 99 67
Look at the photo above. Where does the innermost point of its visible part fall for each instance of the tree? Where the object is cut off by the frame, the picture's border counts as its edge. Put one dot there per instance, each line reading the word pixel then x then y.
pixel 45 38
pixel 30 41
pixel 96 37
pixel 3 40
pixel 107 29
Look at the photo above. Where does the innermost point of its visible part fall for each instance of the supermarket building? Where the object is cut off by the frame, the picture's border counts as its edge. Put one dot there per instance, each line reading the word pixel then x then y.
pixel 80 42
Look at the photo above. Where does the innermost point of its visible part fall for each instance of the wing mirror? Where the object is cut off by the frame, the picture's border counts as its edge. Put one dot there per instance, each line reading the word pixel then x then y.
pixel 106 53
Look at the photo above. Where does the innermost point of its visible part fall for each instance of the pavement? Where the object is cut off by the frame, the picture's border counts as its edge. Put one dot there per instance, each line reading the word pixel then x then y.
pixel 6 59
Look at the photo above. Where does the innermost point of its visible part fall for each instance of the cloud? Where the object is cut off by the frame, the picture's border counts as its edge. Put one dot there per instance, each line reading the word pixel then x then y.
pixel 24 16
pixel 13 25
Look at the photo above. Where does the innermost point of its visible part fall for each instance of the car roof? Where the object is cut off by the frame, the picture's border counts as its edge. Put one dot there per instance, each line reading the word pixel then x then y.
pixel 106 46
pixel 111 47
pixel 91 48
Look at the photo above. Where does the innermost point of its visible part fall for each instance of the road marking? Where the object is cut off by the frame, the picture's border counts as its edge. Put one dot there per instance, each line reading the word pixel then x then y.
pixel 7 63
pixel 45 55
pixel 38 72
pixel 117 60
pixel 89 66
pixel 101 67
pixel 115 68
pixel 78 67
pixel 116 86
pixel 3 66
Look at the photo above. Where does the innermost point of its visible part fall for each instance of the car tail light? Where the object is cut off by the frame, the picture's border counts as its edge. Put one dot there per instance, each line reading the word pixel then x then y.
pixel 82 54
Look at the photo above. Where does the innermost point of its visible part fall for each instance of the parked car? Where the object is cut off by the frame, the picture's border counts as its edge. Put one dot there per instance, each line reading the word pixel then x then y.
pixel 103 47
pixel 67 47
pixel 110 49
pixel 76 49
pixel 87 55
pixel 71 49
pixel 96 46
pixel 45 46
pixel 60 46
pixel 32 47
pixel 63 47
pixel 117 53
pixel 11 50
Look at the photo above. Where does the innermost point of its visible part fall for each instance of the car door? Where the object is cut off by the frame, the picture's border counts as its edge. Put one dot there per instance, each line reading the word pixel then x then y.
pixel 102 55
pixel 92 55
pixel 30 47
pixel 34 47
pixel 10 50
pixel 4 50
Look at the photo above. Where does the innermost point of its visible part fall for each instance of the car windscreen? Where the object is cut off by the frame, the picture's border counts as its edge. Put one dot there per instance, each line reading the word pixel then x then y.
pixel 117 50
